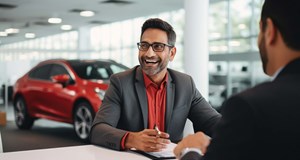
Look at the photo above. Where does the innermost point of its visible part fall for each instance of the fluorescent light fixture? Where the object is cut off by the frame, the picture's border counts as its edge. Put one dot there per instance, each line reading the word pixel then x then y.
pixel 12 30
pixel 55 20
pixel 29 35
pixel 87 13
pixel 3 34
pixel 66 27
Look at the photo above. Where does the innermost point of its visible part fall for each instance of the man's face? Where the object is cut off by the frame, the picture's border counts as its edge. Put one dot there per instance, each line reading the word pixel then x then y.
pixel 152 62
pixel 262 49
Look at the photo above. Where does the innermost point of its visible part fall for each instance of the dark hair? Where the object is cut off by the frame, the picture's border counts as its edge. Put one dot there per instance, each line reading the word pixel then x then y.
pixel 162 25
pixel 284 14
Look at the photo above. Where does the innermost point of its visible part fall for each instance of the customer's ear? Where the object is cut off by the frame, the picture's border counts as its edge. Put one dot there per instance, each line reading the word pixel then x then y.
pixel 271 32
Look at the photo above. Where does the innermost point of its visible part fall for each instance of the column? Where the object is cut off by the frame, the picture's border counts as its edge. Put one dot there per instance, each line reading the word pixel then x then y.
pixel 196 46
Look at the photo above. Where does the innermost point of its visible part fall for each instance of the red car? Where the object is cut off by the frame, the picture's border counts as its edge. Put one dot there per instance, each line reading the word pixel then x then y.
pixel 69 91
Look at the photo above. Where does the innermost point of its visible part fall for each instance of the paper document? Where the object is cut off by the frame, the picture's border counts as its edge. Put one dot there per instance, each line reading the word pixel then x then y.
pixel 167 152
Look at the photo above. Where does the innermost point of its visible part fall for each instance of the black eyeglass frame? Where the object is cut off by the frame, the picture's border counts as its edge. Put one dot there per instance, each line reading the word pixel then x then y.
pixel 151 45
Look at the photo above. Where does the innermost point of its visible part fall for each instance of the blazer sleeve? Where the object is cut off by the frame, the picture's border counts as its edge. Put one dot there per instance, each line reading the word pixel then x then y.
pixel 104 131
pixel 202 114
pixel 234 134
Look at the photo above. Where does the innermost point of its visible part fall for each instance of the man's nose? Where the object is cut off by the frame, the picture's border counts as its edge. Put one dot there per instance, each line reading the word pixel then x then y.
pixel 150 52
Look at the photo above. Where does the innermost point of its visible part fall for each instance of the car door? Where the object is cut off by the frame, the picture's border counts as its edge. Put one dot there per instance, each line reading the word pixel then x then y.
pixel 34 87
pixel 60 97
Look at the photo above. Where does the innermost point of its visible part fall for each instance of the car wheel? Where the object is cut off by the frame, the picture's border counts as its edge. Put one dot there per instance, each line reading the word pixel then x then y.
pixel 83 119
pixel 22 118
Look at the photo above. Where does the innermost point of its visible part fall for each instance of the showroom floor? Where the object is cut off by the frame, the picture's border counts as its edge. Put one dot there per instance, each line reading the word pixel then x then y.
pixel 44 134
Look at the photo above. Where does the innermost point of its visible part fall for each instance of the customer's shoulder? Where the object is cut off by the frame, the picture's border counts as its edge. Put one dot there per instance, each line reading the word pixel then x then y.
pixel 260 91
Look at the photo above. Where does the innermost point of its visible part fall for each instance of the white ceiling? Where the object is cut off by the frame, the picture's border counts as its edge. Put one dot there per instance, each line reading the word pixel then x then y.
pixel 32 15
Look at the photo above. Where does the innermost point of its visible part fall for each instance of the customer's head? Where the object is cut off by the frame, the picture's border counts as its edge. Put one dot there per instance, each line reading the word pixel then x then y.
pixel 156 47
pixel 279 23
pixel 285 16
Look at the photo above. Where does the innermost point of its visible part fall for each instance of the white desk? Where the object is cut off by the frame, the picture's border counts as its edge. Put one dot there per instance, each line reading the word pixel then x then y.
pixel 85 152
pixel 1 149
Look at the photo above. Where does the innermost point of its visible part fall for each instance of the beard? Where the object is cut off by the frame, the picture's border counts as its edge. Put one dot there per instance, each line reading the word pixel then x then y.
pixel 154 69
pixel 263 54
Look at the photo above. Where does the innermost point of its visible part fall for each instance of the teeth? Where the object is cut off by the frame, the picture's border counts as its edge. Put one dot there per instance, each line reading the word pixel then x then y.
pixel 151 61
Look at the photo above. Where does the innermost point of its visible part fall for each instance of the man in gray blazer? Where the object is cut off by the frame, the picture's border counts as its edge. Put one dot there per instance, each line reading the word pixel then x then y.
pixel 151 96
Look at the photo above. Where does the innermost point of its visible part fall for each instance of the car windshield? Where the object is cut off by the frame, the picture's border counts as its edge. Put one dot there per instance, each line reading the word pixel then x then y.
pixel 101 70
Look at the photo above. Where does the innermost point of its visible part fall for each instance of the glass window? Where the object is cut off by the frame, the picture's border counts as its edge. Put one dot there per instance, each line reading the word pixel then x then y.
pixel 57 70
pixel 41 72
pixel 103 72
pixel 127 38
pixel 115 35
pixel 239 45
pixel 217 83
pixel 258 74
pixel 117 69
pixel 129 55
pixel 256 14
pixel 95 38
pixel 105 37
pixel 218 19
pixel 240 18
pixel 218 46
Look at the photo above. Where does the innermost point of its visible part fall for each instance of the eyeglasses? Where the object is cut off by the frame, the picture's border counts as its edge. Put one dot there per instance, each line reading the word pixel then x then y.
pixel 156 46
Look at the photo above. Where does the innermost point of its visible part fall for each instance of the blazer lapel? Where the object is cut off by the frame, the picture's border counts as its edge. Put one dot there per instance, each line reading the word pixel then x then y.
pixel 170 101
pixel 141 93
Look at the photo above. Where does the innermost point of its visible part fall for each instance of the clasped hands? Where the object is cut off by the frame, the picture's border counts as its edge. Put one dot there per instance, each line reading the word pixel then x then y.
pixel 148 140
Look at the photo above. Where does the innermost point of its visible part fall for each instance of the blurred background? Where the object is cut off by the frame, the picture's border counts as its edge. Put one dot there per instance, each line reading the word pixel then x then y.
pixel 111 29
pixel 32 31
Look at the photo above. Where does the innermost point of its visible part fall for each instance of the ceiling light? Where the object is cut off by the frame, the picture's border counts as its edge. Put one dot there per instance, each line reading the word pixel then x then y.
pixel 29 35
pixel 66 27
pixel 87 13
pixel 55 20
pixel 3 34
pixel 12 30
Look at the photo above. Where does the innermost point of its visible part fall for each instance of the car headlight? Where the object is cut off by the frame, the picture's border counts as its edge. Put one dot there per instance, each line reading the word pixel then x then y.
pixel 100 93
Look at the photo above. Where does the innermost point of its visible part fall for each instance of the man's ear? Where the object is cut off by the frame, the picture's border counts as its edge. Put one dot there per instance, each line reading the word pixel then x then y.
pixel 271 31
pixel 172 53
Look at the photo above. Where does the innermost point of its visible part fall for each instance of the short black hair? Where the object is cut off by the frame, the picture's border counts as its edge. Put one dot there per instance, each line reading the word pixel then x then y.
pixel 162 25
pixel 284 14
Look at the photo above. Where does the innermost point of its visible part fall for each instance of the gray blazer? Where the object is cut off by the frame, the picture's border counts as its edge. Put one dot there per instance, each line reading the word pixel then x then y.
pixel 125 108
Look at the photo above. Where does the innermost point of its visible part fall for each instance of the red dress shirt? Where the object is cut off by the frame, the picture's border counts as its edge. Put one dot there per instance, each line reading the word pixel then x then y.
pixel 156 95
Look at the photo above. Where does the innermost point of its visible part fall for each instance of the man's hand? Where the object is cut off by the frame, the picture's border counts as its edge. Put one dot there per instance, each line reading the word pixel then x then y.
pixel 198 140
pixel 147 140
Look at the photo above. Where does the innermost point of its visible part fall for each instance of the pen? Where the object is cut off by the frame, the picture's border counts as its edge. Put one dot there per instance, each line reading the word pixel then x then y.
pixel 157 130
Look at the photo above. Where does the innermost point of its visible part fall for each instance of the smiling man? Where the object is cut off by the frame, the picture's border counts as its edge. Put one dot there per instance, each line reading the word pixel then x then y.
pixel 147 106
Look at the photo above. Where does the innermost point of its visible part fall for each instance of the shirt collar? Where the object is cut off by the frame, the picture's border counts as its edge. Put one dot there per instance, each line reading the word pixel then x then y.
pixel 149 82
pixel 276 73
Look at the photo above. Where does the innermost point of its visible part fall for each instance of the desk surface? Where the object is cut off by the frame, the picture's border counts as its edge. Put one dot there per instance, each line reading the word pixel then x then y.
pixel 89 152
